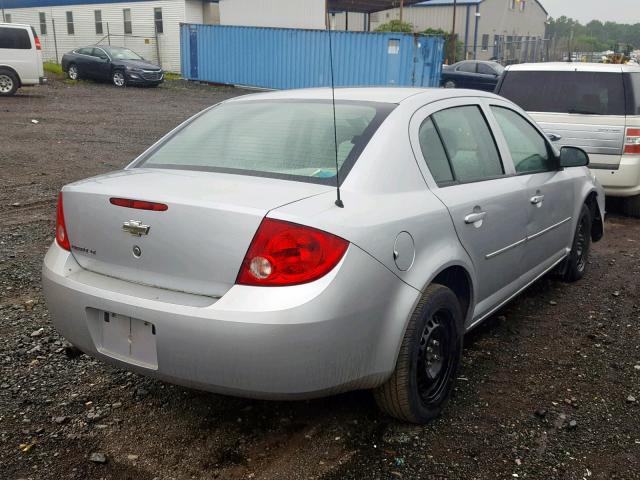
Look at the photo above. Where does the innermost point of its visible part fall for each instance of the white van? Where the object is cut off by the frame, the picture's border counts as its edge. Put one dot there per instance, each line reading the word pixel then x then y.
pixel 589 105
pixel 20 58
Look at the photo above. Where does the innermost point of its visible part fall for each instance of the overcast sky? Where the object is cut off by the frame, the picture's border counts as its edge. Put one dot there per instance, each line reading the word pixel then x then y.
pixel 622 11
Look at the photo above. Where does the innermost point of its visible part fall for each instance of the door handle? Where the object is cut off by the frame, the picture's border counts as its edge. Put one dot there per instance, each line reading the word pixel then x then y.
pixel 475 217
pixel 537 199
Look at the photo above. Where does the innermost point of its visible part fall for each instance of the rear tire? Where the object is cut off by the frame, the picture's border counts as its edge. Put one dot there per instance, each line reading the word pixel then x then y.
pixel 428 360
pixel 632 206
pixel 8 83
pixel 576 263
pixel 73 73
pixel 449 84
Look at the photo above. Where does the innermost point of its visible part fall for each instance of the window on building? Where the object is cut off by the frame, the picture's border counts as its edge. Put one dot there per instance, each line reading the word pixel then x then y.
pixel 522 5
pixel 7 17
pixel 485 42
pixel 97 15
pixel 126 13
pixel 512 4
pixel 43 23
pixel 70 28
pixel 157 18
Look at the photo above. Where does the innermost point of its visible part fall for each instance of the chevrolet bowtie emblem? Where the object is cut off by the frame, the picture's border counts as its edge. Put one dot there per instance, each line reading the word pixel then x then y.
pixel 136 227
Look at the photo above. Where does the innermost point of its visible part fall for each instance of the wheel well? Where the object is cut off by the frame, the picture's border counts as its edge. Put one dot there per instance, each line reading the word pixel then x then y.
pixel 9 69
pixel 597 228
pixel 457 279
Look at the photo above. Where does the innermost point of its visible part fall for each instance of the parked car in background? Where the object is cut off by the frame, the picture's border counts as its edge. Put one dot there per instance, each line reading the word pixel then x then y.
pixel 118 65
pixel 20 58
pixel 220 258
pixel 476 74
pixel 589 105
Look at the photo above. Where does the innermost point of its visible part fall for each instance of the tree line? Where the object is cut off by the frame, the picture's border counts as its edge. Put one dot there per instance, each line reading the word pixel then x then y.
pixel 595 36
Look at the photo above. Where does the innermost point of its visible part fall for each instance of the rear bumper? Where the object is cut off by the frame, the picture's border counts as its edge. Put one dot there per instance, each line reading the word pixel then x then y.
pixel 623 181
pixel 339 333
pixel 43 80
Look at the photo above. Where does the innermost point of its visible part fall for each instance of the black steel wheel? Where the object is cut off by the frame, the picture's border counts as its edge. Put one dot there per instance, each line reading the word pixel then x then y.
pixel 577 261
pixel 428 361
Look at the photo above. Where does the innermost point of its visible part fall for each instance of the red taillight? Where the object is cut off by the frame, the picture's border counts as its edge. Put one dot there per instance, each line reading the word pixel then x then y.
pixel 284 253
pixel 632 141
pixel 38 44
pixel 61 229
pixel 139 204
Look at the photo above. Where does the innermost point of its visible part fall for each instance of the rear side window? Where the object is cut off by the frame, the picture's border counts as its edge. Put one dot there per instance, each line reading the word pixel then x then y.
pixel 528 149
pixel 14 38
pixel 434 154
pixel 469 67
pixel 469 144
pixel 279 139
pixel 589 93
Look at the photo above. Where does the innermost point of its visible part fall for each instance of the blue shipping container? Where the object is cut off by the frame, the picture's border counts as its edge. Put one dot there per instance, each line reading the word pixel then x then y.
pixel 283 58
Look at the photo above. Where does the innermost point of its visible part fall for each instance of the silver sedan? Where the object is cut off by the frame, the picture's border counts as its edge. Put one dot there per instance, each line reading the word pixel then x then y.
pixel 221 258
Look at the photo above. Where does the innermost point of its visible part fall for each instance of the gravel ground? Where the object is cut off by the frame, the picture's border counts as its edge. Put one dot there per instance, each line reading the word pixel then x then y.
pixel 549 389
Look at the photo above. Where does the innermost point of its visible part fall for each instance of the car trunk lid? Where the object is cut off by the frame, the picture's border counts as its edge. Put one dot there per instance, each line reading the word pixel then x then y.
pixel 196 245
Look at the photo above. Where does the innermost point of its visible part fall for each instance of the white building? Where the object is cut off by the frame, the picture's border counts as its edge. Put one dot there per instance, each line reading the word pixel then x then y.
pixel 508 30
pixel 149 27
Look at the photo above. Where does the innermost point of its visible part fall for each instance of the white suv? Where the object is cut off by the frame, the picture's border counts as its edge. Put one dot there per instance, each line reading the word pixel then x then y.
pixel 592 106
pixel 20 58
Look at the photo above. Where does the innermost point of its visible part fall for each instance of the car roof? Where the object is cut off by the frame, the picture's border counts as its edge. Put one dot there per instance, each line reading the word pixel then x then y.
pixel 365 94
pixel 17 25
pixel 573 67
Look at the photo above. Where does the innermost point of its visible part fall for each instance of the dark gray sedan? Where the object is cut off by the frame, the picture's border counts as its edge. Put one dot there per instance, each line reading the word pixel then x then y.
pixel 118 65
pixel 475 74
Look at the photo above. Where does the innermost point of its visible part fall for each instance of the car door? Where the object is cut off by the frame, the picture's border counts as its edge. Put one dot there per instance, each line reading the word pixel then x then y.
pixel 487 77
pixel 550 189
pixel 466 75
pixel 86 62
pixel 486 203
pixel 102 64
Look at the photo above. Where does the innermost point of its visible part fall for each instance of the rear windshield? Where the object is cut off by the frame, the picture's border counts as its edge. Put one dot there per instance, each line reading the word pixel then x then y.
pixel 590 93
pixel 280 139
pixel 14 38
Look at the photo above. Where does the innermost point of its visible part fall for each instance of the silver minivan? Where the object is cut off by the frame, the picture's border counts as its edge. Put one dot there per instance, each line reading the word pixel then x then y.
pixel 592 106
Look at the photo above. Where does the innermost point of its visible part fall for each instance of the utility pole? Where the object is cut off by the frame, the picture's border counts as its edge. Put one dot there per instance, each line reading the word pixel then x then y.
pixel 2 3
pixel 401 9
pixel 453 33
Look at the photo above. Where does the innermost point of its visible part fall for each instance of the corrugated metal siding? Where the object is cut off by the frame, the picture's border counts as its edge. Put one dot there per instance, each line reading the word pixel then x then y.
pixel 273 13
pixel 142 39
pixel 292 58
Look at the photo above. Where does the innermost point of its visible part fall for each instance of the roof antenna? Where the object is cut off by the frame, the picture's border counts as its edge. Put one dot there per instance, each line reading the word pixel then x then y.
pixel 335 127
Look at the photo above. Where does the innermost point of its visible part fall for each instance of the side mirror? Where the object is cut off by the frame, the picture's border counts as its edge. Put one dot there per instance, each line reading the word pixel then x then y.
pixel 573 157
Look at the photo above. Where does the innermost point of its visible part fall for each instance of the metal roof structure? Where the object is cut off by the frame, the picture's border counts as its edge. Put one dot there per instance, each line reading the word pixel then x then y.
pixel 368 6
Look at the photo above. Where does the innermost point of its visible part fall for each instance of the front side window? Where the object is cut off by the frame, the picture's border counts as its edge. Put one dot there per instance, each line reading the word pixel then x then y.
pixel 43 23
pixel 70 27
pixel 97 14
pixel 528 148
pixel 157 18
pixel 485 69
pixel 470 146
pixel 14 38
pixel 126 14
pixel 279 139
pixel 586 93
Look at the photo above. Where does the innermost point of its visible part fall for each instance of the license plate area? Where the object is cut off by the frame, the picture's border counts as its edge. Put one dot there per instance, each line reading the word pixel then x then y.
pixel 124 338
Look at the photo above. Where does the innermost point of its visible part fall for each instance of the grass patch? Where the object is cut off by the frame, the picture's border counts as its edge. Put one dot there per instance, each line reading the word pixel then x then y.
pixel 53 68
pixel 172 76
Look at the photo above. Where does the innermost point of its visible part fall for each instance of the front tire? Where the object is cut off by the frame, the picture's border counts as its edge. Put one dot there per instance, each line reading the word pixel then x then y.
pixel 428 360
pixel 576 263
pixel 118 78
pixel 73 73
pixel 8 83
